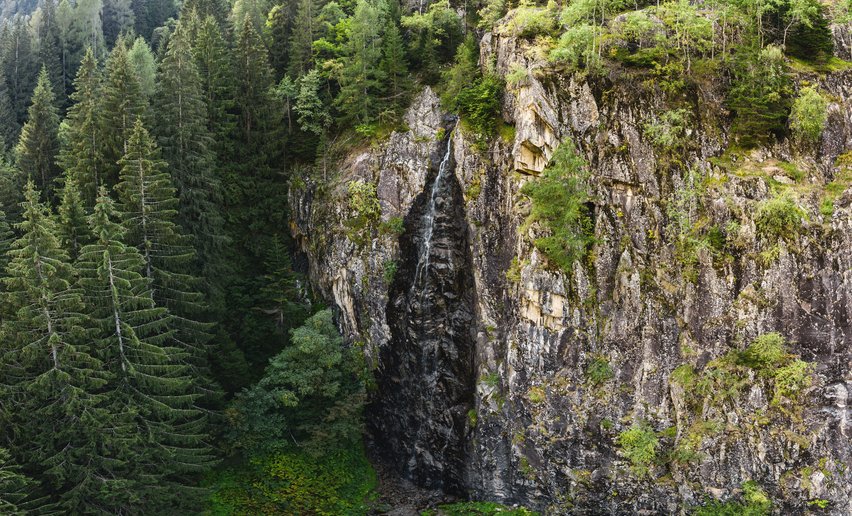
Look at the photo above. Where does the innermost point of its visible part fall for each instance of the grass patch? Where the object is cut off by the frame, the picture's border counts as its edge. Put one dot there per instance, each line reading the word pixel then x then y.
pixel 340 482
pixel 639 445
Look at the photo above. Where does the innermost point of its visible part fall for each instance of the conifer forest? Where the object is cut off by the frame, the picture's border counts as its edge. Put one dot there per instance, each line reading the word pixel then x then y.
pixel 425 257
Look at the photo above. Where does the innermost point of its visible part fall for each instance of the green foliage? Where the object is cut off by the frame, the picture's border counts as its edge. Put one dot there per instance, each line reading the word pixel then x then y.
pixel 310 395
pixel 639 444
pixel 599 371
pixel 394 226
pixel 765 353
pixel 669 132
pixel 779 217
pixel 479 104
pixel 560 200
pixel 13 486
pixel 459 75
pixel 513 273
pixel 754 502
pixel 536 395
pixel 529 20
pixel 808 116
pixel 39 143
pixel 759 95
pixel 389 270
pixel 337 483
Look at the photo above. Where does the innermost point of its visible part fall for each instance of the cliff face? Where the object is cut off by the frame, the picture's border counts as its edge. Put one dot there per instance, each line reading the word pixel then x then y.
pixel 517 389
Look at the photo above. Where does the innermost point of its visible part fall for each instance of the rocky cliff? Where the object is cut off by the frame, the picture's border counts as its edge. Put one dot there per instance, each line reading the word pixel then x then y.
pixel 504 378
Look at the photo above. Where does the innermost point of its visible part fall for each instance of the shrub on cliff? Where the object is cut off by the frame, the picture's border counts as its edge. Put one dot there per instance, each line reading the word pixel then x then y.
pixel 639 445
pixel 759 94
pixel 560 205
pixel 808 116
pixel 779 217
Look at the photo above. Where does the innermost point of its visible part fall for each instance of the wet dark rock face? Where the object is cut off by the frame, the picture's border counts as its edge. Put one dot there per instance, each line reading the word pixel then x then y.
pixel 417 418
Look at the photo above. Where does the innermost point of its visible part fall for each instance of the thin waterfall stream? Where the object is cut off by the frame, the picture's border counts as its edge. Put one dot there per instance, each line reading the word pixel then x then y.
pixel 418 417
pixel 429 217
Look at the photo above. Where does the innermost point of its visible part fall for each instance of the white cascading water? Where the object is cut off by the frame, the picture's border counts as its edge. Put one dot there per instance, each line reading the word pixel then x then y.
pixel 429 216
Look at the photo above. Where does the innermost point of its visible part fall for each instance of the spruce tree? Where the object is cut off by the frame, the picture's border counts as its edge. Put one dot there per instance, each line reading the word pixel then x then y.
pixel 362 77
pixel 302 38
pixel 134 340
pixel 148 206
pixel 187 147
pixel 216 70
pixel 142 57
pixel 279 24
pixel 394 65
pixel 72 218
pixel 51 380
pixel 87 27
pixel 21 66
pixel 121 103
pixel 9 127
pixel 13 485
pixel 118 16
pixel 254 78
pixel 82 153
pixel 39 143
pixel 49 50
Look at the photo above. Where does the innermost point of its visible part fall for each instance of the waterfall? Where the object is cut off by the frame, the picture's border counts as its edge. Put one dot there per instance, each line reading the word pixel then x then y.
pixel 429 216
pixel 418 416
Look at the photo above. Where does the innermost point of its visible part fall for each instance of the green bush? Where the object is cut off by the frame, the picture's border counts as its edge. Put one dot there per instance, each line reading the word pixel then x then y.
pixel 759 95
pixel 479 104
pixel 529 20
pixel 754 503
pixel 668 133
pixel 560 200
pixel 599 371
pixel 393 226
pixel 779 217
pixel 389 270
pixel 808 116
pixel 639 445
pixel 765 352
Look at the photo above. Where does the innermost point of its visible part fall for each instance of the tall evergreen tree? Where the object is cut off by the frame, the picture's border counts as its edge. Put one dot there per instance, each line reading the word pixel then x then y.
pixel 87 28
pixel 143 60
pixel 82 153
pixel 9 127
pixel 216 70
pixel 121 103
pixel 50 378
pixel 133 339
pixel 21 66
pixel 148 206
pixel 254 82
pixel 72 218
pixel 302 38
pixel 361 78
pixel 394 64
pixel 218 9
pixel 187 147
pixel 49 50
pixel 39 143
pixel 279 24
pixel 117 18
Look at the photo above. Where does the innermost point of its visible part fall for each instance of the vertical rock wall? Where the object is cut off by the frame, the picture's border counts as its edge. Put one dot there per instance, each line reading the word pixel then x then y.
pixel 518 347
